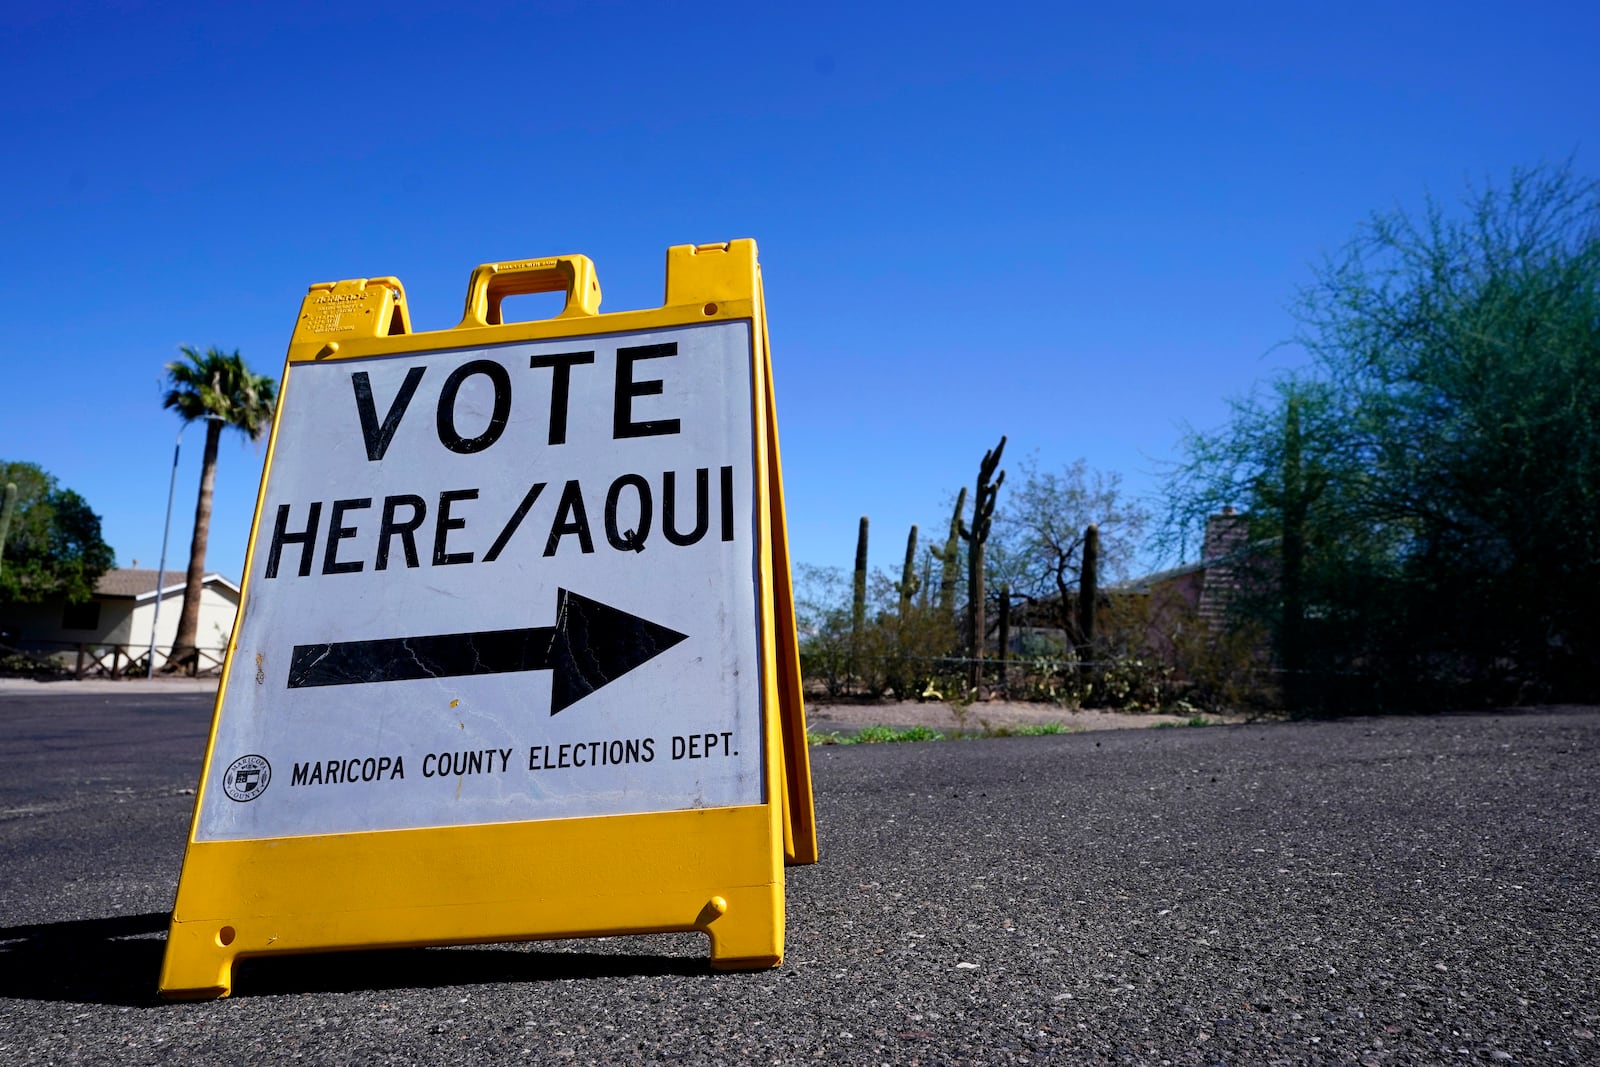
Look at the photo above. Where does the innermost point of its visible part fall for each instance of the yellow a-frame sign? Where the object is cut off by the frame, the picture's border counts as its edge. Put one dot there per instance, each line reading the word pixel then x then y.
pixel 516 654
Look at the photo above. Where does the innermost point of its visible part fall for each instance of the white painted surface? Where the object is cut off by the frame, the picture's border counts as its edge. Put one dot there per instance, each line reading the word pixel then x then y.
pixel 218 606
pixel 707 684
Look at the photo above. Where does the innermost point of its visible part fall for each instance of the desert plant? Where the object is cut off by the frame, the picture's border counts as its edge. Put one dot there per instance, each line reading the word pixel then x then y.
pixel 1423 495
pixel 869 735
pixel 976 535
pixel 858 602
pixel 908 573
pixel 949 558
pixel 823 619
pixel 1089 584
pixel 6 508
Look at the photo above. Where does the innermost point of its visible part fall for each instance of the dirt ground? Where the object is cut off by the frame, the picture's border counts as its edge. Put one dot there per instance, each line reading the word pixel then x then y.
pixel 822 717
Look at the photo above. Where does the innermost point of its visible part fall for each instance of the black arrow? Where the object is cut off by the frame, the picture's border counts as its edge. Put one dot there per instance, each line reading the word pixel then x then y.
pixel 590 644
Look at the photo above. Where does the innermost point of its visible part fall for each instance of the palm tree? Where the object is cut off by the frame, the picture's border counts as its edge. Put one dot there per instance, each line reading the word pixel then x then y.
pixel 219 388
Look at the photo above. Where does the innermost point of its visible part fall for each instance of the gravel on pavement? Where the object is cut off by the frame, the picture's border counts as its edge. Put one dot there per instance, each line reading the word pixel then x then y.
pixel 1373 891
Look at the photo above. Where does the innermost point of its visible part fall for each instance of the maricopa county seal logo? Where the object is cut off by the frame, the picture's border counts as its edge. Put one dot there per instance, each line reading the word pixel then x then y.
pixel 247 778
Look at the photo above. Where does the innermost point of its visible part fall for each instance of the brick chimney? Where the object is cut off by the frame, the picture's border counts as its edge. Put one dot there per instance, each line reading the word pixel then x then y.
pixel 1227 535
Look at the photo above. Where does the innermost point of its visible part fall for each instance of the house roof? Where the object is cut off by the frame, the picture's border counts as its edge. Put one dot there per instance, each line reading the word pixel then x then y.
pixel 1236 553
pixel 139 584
pixel 1145 583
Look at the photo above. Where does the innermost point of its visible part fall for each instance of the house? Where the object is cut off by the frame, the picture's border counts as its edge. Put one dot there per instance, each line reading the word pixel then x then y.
pixel 1207 587
pixel 1191 602
pixel 116 624
pixel 1155 610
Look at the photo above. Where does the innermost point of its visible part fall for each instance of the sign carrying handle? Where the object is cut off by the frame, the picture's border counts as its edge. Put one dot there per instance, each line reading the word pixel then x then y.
pixel 492 282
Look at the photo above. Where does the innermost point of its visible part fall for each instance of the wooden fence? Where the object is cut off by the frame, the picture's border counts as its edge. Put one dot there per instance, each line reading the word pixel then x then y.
pixel 98 659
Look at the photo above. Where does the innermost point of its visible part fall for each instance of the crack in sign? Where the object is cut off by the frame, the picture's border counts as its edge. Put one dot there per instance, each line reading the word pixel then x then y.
pixel 406 647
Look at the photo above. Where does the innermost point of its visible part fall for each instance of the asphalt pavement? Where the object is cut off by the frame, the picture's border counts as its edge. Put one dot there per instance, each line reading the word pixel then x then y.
pixel 1375 891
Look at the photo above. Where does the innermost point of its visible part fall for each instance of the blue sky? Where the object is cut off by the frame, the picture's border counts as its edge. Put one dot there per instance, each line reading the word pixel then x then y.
pixel 1080 226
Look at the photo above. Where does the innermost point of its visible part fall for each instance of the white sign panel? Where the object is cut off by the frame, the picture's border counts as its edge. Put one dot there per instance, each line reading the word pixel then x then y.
pixel 500 584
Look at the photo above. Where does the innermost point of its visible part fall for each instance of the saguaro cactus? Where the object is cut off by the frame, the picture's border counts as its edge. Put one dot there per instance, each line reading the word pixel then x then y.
pixel 976 536
pixel 908 574
pixel 858 599
pixel 1089 584
pixel 947 558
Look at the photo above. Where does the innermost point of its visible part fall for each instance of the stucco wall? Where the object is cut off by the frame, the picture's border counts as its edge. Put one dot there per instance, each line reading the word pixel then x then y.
pixel 124 621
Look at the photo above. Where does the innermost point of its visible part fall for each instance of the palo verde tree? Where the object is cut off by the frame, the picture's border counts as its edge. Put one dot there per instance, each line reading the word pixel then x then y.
pixel 53 549
pixel 8 507
pixel 1425 491
pixel 1296 458
pixel 1038 547
pixel 220 389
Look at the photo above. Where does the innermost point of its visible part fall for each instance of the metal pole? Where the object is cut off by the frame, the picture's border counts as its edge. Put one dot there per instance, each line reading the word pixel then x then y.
pixel 161 570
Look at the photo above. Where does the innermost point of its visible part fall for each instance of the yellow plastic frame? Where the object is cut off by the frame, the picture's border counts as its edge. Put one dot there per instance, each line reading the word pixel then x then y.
pixel 717 870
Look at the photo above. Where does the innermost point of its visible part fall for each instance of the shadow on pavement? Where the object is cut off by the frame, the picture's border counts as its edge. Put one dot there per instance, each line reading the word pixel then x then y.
pixel 421 968
pixel 117 960
pixel 89 961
